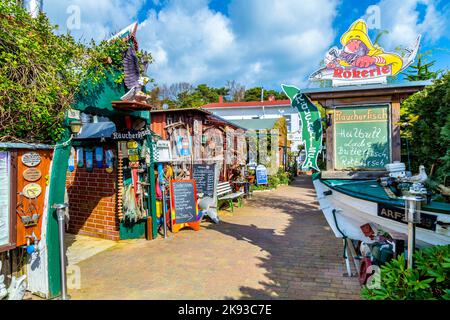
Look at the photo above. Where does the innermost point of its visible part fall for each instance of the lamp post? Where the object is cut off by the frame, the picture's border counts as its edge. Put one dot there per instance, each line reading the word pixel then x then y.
pixel 413 204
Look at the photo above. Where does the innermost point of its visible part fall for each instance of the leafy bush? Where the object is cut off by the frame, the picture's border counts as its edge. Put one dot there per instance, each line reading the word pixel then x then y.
pixel 283 176
pixel 427 114
pixel 429 279
pixel 40 73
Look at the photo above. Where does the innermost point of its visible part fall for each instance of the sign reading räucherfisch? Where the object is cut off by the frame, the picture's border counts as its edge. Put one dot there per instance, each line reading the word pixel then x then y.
pixel 360 61
pixel 311 125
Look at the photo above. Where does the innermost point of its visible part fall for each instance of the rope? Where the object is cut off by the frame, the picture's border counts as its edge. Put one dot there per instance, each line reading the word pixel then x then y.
pixel 343 235
pixel 65 143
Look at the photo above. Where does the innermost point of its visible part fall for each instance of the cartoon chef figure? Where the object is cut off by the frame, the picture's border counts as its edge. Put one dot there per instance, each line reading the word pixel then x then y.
pixel 358 51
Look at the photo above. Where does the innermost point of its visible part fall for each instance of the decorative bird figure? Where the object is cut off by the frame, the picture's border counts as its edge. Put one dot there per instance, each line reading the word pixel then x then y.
pixel 204 204
pixel 133 80
pixel 419 178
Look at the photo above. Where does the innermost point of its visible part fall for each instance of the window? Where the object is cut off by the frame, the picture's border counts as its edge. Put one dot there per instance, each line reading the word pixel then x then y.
pixel 7 201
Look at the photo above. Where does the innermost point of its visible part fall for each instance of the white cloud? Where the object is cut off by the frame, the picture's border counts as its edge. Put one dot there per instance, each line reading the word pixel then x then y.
pixel 402 20
pixel 98 18
pixel 261 42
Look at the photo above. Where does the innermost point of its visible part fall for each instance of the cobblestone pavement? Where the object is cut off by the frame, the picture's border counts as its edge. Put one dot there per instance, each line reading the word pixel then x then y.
pixel 277 246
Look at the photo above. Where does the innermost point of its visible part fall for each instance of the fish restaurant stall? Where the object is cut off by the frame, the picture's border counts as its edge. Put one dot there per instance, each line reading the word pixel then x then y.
pixel 366 193
pixel 195 145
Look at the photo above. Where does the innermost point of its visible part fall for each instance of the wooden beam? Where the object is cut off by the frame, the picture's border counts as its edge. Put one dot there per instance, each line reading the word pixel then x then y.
pixel 369 93
pixel 356 175
pixel 395 130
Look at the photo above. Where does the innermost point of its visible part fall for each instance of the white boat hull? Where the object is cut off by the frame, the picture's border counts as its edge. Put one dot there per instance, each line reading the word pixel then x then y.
pixel 351 213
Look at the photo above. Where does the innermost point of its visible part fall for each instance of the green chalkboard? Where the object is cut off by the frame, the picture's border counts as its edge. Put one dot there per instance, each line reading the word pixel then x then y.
pixel 361 137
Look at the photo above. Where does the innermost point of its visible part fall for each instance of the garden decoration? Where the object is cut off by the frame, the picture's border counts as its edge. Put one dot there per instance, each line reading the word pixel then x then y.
pixel 133 80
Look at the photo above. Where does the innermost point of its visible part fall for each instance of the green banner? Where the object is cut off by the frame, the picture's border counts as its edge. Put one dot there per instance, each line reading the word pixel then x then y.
pixel 311 125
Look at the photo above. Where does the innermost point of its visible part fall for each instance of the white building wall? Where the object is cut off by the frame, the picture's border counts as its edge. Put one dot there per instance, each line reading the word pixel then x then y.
pixel 268 112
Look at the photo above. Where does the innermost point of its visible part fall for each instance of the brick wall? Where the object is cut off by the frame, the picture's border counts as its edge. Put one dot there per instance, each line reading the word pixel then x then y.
pixel 92 203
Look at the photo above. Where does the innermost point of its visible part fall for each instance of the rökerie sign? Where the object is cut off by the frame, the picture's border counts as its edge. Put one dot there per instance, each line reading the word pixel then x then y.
pixel 361 73
pixel 360 61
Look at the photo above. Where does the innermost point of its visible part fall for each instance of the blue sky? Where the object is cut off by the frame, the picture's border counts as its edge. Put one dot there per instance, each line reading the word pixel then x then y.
pixel 254 42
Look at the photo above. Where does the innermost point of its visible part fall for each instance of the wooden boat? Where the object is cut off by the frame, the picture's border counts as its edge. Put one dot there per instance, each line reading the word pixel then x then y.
pixel 349 204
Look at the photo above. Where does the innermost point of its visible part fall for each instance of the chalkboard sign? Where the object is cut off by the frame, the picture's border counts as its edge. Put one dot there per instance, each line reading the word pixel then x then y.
pixel 361 137
pixel 204 176
pixel 183 195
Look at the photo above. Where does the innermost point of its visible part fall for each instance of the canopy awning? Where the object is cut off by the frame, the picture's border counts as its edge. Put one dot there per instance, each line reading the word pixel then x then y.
pixel 96 130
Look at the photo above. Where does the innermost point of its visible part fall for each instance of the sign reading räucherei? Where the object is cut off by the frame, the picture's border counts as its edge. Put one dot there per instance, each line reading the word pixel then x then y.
pixel 361 137
pixel 4 197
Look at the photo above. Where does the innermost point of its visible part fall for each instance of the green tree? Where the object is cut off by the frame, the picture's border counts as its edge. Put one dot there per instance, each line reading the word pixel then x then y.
pixel 41 73
pixel 254 94
pixel 421 70
pixel 426 119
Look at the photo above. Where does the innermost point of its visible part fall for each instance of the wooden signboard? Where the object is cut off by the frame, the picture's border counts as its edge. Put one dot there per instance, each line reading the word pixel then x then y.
pixel 31 159
pixel 32 174
pixel 31 194
pixel 205 179
pixel 361 137
pixel 183 198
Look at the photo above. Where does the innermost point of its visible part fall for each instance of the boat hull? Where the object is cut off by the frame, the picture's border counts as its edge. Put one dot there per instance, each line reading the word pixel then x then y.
pixel 352 212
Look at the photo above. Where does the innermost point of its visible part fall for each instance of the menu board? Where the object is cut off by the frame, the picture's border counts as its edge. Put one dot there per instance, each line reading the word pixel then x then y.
pixel 184 202
pixel 5 223
pixel 361 137
pixel 204 176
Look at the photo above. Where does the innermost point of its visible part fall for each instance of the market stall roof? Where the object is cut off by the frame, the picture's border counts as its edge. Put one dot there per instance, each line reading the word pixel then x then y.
pixel 211 116
pixel 96 130
pixel 256 124
pixel 19 145
pixel 365 90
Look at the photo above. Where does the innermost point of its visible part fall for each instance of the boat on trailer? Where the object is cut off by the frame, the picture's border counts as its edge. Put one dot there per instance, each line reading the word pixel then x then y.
pixel 349 205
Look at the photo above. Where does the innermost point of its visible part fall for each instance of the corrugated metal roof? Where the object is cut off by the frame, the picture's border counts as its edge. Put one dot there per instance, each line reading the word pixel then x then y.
pixel 256 124
pixel 368 87
pixel 19 145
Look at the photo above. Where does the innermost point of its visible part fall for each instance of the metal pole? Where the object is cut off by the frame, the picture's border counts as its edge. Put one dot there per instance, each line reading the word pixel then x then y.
pixel 412 212
pixel 60 212
pixel 164 207
pixel 411 243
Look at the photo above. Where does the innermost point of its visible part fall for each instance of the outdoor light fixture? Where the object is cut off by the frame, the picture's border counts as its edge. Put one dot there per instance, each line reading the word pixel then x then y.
pixel 413 204
pixel 75 127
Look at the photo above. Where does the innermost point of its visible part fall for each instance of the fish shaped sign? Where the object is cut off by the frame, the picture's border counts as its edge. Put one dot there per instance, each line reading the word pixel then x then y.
pixel 311 125
pixel 360 61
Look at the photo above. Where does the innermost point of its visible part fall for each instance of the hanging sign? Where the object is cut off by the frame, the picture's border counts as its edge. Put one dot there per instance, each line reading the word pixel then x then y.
pixel 32 190
pixel 261 175
pixel 32 174
pixel 311 125
pixel 31 159
pixel 360 61
pixel 131 134
pixel 162 151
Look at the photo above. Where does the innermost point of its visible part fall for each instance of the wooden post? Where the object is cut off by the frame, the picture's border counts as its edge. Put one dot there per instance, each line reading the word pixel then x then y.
pixel 330 144
pixel 395 130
